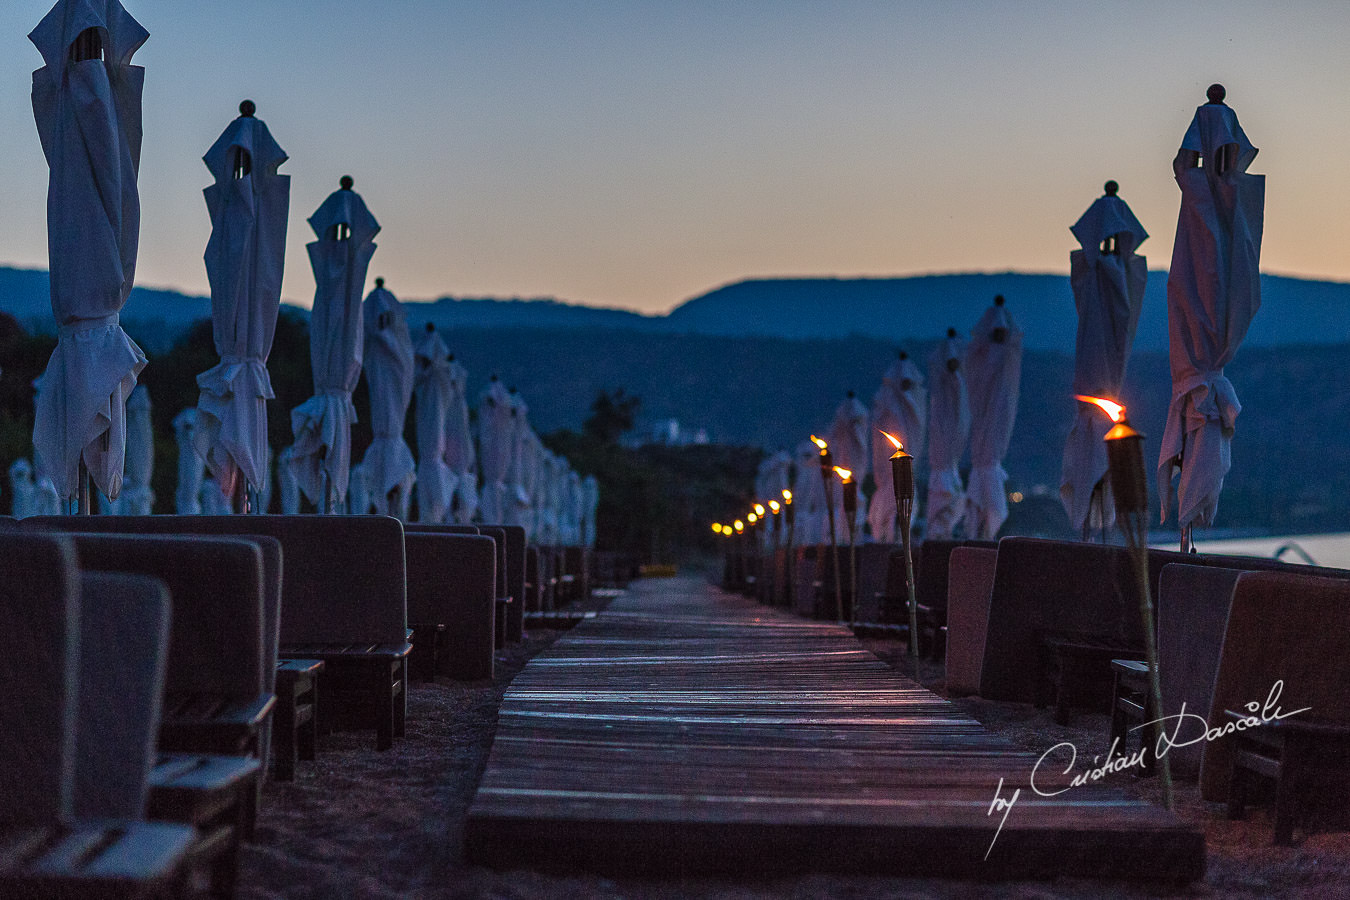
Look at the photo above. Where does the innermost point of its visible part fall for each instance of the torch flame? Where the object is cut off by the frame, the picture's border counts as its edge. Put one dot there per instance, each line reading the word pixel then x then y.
pixel 775 506
pixel 717 527
pixel 895 441
pixel 821 443
pixel 787 496
pixel 739 526
pixel 845 475
pixel 759 510
pixel 1110 407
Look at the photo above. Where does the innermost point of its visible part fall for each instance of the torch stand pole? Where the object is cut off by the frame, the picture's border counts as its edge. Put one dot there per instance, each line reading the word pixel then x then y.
pixel 852 574
pixel 790 562
pixel 906 543
pixel 1136 530
pixel 834 555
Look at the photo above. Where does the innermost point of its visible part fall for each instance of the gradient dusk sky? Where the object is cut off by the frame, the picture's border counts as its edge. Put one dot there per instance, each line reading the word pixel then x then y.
pixel 635 153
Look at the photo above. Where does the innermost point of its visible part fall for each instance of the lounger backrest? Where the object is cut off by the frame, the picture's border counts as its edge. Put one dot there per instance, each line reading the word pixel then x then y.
pixel 931 568
pixel 1193 604
pixel 969 585
pixel 39 660
pixel 216 585
pixel 1040 586
pixel 124 650
pixel 1282 628
pixel 448 573
pixel 498 534
pixel 343 580
pixel 515 561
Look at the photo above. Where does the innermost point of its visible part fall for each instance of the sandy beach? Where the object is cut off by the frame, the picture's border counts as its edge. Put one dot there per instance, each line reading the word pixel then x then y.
pixel 361 824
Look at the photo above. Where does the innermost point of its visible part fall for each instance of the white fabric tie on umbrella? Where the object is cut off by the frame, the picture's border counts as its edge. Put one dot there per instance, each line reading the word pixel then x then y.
pixel 993 372
pixel 88 114
pixel 496 436
pixel 459 452
pixel 1108 291
pixel 898 407
pixel 22 489
pixel 850 444
pixel 322 424
pixel 191 467
pixel 948 431
pixel 137 498
pixel 810 525
pixel 1213 292
pixel 245 257
pixel 388 463
pixel 434 390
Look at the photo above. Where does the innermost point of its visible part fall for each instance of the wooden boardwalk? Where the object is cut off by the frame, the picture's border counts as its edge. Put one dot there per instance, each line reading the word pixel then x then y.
pixel 685 730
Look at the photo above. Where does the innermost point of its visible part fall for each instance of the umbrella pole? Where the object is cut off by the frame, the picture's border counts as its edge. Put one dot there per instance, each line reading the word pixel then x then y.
pixel 82 489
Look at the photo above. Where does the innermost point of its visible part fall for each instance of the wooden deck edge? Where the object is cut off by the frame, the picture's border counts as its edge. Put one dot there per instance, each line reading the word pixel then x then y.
pixel 1170 854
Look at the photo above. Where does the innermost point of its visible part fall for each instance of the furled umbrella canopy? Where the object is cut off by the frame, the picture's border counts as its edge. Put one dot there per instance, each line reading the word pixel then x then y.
pixel 137 498
pixel 539 493
pixel 22 489
pixel 1108 279
pixel 459 450
pixel 358 492
pixel 87 104
pixel 249 204
pixel 529 453
pixel 994 381
pixel 191 467
pixel 287 485
pixel 574 509
pixel 810 525
pixel 496 442
pixel 433 389
pixel 388 463
pixel 948 431
pixel 321 454
pixel 898 408
pixel 850 445
pixel 774 475
pixel 1213 292
pixel 592 489
pixel 519 508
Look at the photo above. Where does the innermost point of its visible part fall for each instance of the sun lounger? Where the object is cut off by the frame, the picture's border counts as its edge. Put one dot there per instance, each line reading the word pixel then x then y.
pixel 969 585
pixel 452 585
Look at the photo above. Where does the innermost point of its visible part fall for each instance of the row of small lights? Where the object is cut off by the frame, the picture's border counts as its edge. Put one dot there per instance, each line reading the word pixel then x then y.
pixel 757 512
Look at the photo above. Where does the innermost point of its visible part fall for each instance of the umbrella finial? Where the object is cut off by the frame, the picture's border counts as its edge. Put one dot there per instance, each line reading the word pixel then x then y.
pixel 951 332
pixel 345 182
pixel 451 357
pixel 431 326
pixel 998 299
pixel 851 395
pixel 1110 187
pixel 903 355
pixel 494 376
pixel 1216 93
pixel 379 283
pixel 247 109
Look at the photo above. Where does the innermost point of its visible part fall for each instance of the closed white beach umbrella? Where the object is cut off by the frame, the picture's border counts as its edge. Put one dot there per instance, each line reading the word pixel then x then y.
pixel 539 491
pixel 899 407
pixel 433 389
pixel 46 500
pixel 137 498
pixel 529 455
pixel 519 504
pixel 1108 280
pixel 388 463
pixel 321 454
pixel 810 525
pixel 191 467
pixel 22 489
pixel 774 475
pixel 850 446
pixel 249 204
pixel 948 431
pixel 287 485
pixel 592 489
pixel 87 104
pixel 459 449
pixel 1213 292
pixel 994 382
pixel 496 442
